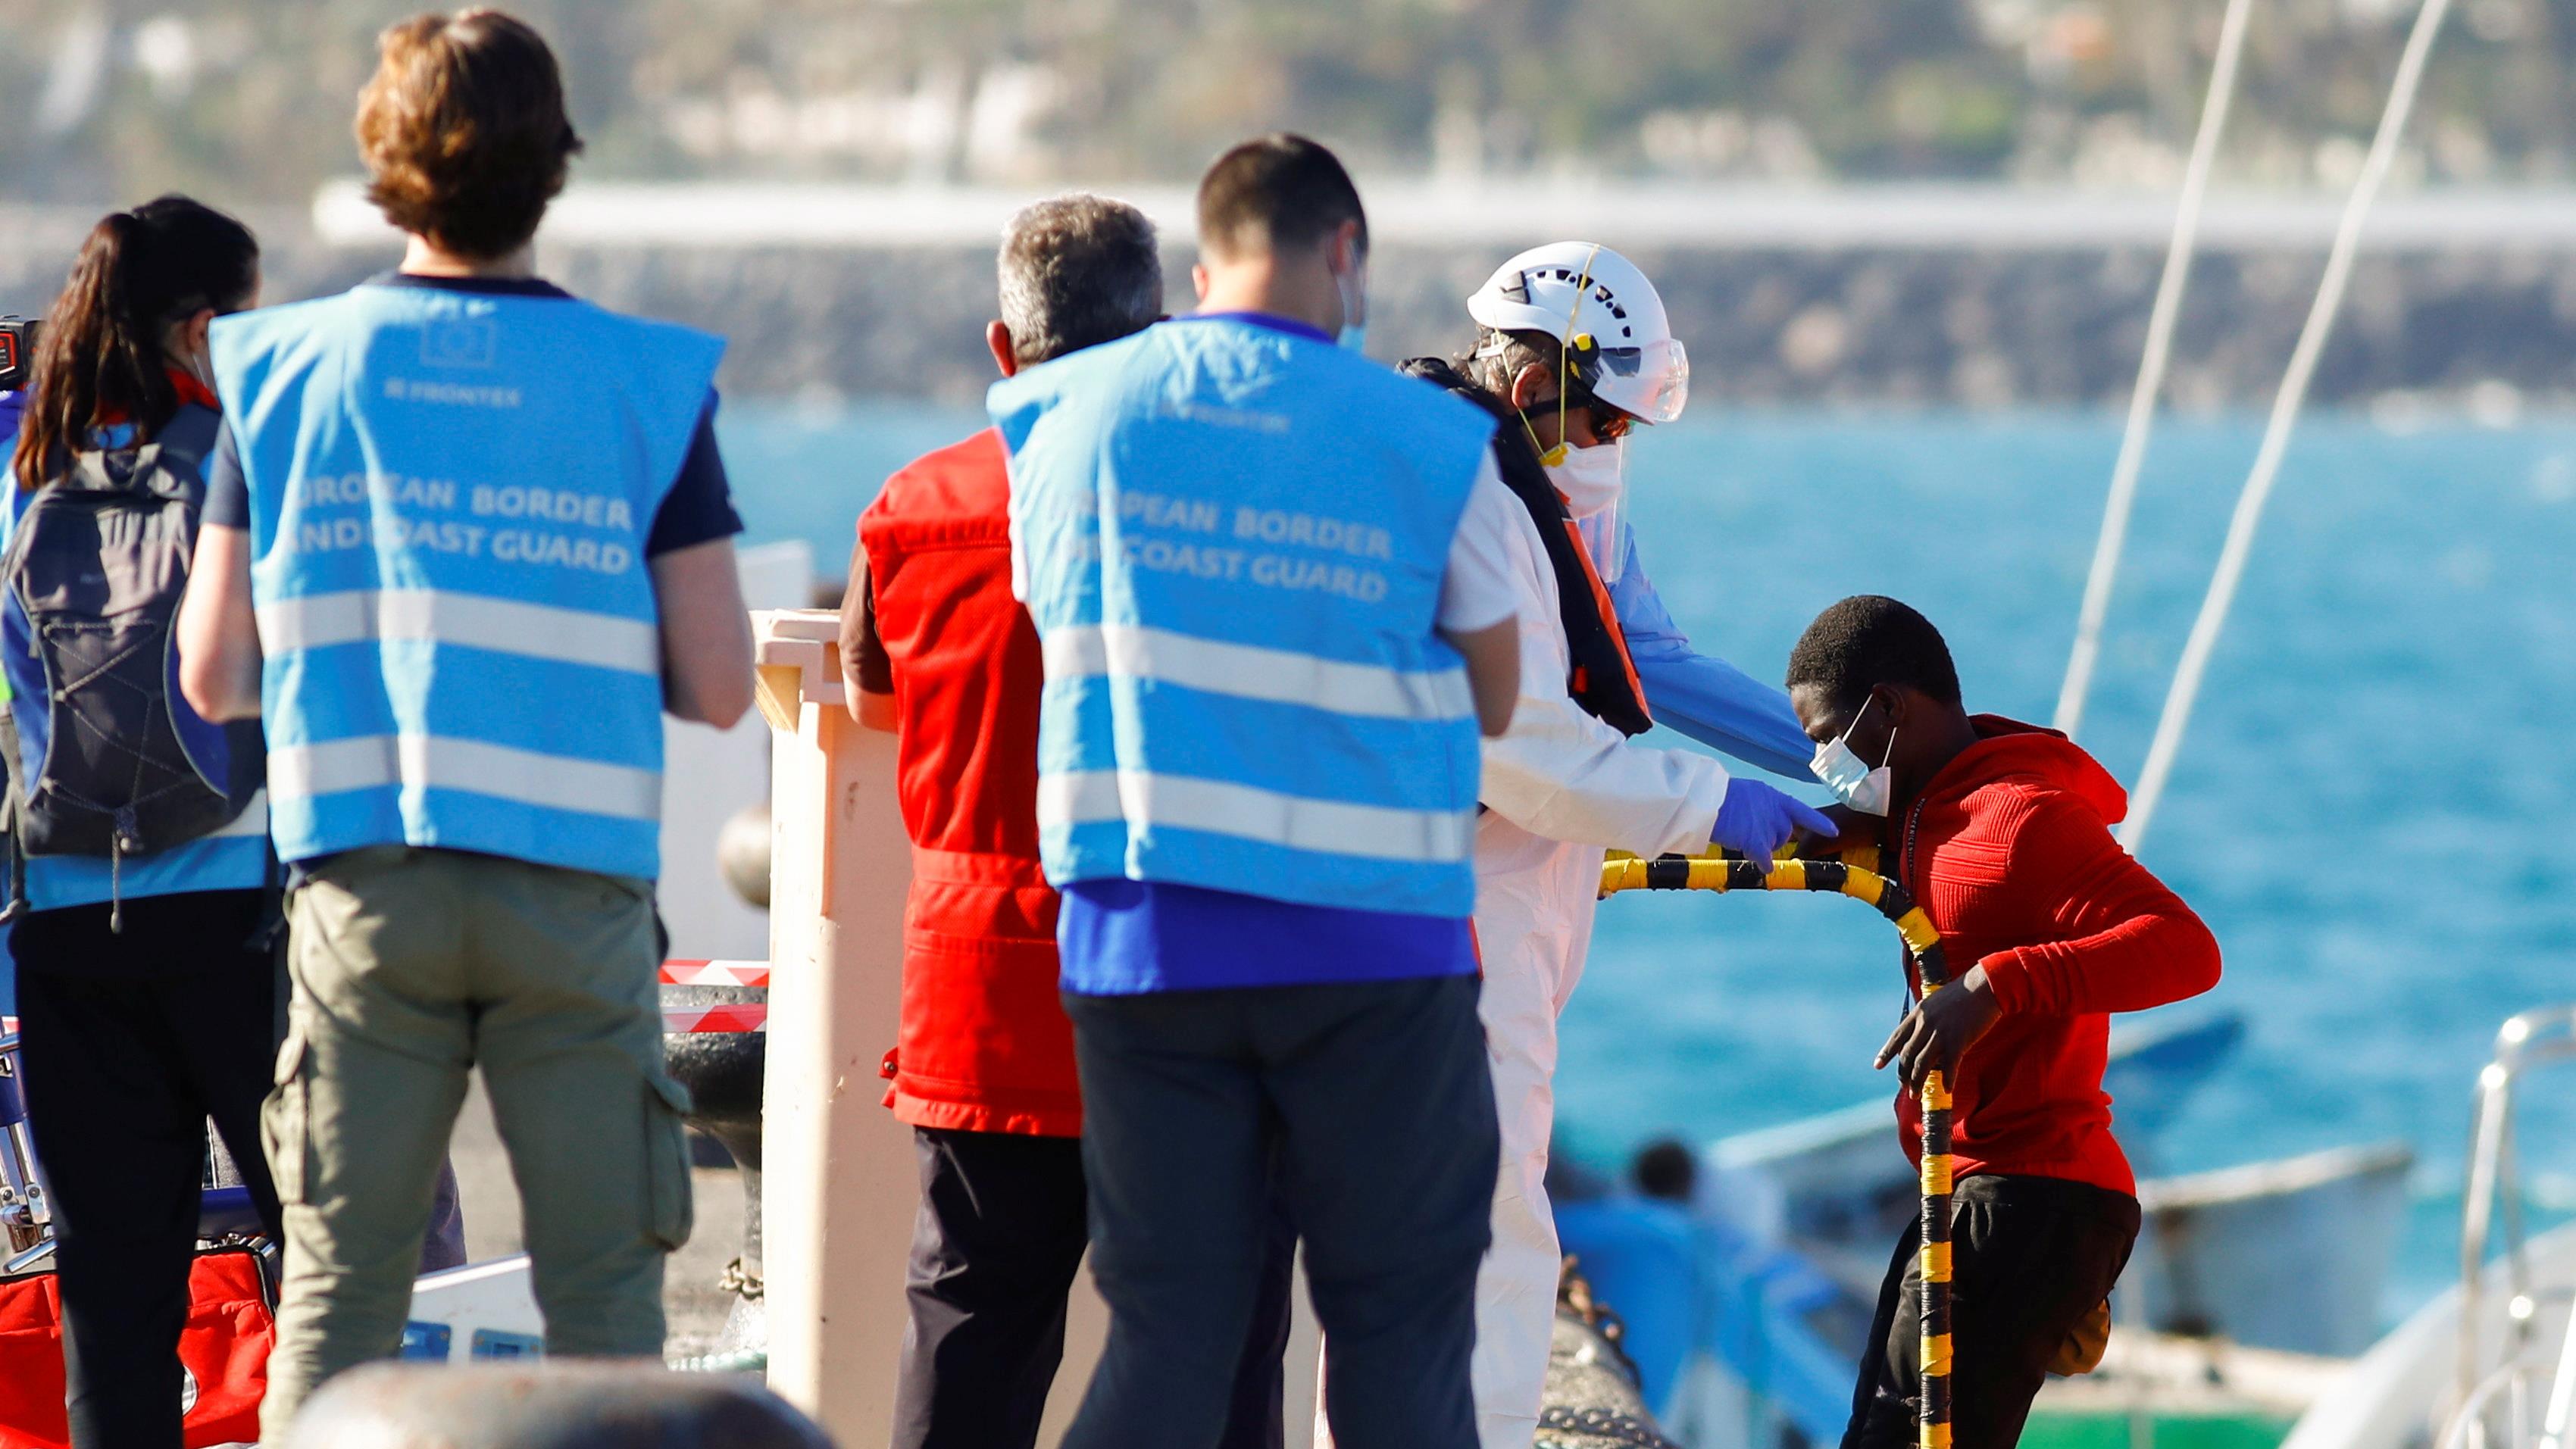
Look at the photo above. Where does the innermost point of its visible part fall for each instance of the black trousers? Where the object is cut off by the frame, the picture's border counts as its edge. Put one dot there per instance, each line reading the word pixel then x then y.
pixel 995 1247
pixel 1368 1109
pixel 2030 1257
pixel 131 1041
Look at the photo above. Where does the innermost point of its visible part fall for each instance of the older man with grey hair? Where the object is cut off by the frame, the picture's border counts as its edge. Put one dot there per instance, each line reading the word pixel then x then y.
pixel 936 650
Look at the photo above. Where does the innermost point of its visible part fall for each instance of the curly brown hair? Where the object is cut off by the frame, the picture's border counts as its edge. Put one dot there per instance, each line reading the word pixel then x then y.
pixel 463 130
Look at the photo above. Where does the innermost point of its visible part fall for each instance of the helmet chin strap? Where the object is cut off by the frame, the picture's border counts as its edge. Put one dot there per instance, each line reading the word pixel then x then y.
pixel 1548 457
pixel 1574 341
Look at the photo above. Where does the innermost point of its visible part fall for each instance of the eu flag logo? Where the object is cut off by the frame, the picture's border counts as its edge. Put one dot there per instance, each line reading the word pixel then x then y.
pixel 458 342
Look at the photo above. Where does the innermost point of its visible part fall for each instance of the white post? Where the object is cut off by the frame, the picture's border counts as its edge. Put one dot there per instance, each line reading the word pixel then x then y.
pixel 841 1183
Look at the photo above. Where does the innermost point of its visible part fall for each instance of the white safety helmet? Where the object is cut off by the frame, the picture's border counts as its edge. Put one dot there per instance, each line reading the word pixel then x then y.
pixel 1606 316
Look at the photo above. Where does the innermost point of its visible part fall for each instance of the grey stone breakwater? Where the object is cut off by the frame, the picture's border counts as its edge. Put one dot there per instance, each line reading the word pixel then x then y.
pixel 1927 326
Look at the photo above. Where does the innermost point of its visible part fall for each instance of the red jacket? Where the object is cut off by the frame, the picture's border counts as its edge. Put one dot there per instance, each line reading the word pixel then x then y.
pixel 2009 850
pixel 984 1045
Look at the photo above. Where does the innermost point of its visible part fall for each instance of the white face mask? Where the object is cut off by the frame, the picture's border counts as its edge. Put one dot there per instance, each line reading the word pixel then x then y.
pixel 1591 479
pixel 1869 791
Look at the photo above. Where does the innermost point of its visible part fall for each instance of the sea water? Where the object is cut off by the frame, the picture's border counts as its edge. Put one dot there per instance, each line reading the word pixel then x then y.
pixel 2372 809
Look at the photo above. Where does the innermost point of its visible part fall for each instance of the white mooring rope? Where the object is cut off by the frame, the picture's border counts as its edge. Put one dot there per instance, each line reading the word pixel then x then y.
pixel 2276 434
pixel 2151 371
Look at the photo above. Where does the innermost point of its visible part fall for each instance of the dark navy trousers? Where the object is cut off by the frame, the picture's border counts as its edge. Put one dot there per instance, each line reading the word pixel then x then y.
pixel 1369 1110
pixel 995 1247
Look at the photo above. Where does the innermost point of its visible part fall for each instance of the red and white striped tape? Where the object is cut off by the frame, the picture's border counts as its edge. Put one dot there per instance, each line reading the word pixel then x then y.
pixel 716 973
pixel 684 1020
pixel 734 1016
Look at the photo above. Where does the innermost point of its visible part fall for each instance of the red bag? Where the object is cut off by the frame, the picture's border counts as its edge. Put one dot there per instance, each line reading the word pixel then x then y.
pixel 224 1349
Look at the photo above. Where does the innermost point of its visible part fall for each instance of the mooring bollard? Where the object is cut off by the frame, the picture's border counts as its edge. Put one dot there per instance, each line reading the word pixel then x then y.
pixel 554 1405
pixel 716 1043
pixel 1592 1400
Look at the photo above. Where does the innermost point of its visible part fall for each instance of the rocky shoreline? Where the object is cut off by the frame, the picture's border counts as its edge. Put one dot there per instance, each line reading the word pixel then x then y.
pixel 2490 328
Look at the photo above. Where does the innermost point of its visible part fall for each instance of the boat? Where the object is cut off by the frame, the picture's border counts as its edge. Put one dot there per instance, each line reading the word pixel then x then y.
pixel 2491 1363
pixel 2290 1255
pixel 1838 1179
pixel 2184 1392
pixel 1747 1303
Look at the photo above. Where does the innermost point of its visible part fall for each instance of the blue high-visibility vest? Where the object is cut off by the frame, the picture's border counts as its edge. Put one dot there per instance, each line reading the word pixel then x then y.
pixel 450 496
pixel 1232 541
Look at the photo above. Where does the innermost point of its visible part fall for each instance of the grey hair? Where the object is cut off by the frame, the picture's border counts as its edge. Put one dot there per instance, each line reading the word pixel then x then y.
pixel 1498 357
pixel 1076 270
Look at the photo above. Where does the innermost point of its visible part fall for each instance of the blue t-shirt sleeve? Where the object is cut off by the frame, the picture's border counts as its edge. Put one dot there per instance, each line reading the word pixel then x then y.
pixel 227 492
pixel 699 507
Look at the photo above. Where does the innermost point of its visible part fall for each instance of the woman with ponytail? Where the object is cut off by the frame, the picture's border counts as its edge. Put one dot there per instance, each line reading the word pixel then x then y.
pixel 146 991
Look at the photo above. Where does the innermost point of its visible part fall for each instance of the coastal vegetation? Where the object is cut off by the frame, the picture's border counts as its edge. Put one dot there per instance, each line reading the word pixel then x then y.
pixel 118 98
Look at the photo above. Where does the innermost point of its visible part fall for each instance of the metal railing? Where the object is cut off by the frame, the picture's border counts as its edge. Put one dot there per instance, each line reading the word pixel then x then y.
pixel 2492 1407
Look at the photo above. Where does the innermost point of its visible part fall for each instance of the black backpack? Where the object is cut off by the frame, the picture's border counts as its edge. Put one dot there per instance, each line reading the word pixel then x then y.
pixel 105 757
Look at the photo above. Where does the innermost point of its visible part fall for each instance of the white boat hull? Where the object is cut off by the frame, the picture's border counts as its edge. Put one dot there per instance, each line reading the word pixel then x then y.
pixel 2289 1255
pixel 2389 1398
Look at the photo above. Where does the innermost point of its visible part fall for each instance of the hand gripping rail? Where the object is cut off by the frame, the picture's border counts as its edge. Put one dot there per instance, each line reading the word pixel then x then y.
pixel 1854 875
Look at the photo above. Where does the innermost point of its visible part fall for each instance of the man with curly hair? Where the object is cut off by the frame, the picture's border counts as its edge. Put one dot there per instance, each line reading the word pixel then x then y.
pixel 475 536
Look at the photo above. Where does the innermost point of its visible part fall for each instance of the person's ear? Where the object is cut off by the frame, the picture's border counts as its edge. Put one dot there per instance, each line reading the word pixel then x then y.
pixel 1199 280
pixel 188 335
pixel 1895 707
pixel 1343 255
pixel 1528 385
pixel 997 336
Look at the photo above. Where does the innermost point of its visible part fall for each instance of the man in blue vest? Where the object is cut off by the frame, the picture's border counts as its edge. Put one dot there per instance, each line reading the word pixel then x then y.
pixel 1270 638
pixel 478 535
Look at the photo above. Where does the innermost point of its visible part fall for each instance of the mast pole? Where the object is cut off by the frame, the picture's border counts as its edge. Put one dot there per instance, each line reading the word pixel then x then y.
pixel 2151 372
pixel 2176 718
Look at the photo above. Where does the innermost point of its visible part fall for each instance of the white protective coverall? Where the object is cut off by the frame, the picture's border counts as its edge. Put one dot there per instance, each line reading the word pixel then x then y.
pixel 1560 788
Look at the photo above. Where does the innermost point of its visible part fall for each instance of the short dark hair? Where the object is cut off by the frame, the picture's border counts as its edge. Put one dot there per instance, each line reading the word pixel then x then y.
pixel 1868 640
pixel 1275 193
pixel 1077 270
pixel 463 130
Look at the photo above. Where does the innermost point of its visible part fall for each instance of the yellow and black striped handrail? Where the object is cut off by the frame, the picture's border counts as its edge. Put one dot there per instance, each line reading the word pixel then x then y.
pixel 1854 874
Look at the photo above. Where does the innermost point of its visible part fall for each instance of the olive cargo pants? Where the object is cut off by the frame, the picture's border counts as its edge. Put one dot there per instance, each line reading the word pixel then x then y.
pixel 411 967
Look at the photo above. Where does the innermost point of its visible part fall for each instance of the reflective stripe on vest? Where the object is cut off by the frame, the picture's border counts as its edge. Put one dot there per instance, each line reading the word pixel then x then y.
pixel 1266 816
pixel 1249 671
pixel 506 626
pixel 429 762
pixel 450 497
pixel 1234 539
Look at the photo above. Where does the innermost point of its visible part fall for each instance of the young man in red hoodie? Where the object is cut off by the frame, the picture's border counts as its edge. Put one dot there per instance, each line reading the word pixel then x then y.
pixel 935 649
pixel 2002 832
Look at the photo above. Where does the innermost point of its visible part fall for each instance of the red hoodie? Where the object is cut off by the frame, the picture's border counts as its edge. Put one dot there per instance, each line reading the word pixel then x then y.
pixel 2009 850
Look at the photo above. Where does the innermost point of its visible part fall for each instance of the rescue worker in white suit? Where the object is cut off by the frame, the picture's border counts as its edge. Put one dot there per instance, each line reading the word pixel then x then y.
pixel 1574 351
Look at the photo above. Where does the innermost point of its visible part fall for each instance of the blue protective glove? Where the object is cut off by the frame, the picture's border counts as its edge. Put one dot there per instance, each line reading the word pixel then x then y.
pixel 1757 819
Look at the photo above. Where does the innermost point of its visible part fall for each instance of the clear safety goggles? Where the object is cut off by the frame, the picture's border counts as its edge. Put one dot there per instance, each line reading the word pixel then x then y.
pixel 1652 381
